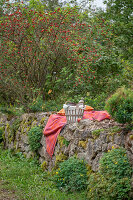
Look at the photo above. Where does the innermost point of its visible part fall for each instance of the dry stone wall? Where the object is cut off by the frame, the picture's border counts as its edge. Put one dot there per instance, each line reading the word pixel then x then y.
pixel 87 139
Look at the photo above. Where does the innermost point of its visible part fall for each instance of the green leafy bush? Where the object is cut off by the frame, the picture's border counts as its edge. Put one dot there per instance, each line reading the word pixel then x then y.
pixel 113 179
pixel 53 105
pixel 120 105
pixel 71 175
pixel 115 163
pixel 37 105
pixel 97 102
pixel 11 110
pixel 34 136
pixel 97 187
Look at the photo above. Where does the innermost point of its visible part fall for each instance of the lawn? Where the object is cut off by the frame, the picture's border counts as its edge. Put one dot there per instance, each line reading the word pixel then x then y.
pixel 24 179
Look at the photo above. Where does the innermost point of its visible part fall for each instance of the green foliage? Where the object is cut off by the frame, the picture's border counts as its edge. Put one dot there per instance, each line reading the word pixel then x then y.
pixel 120 12
pixel 127 73
pixel 113 179
pixel 97 102
pixel 37 105
pixel 71 175
pixel 34 136
pixel 96 133
pixel 62 141
pixel 11 110
pixel 120 105
pixel 97 187
pixel 115 163
pixel 6 110
pixel 66 142
pixel 53 105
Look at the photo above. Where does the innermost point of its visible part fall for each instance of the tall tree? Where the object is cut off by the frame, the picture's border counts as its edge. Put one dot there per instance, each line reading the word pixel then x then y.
pixel 120 12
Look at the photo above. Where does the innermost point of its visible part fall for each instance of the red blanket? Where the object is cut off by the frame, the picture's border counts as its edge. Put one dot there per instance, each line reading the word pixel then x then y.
pixel 56 122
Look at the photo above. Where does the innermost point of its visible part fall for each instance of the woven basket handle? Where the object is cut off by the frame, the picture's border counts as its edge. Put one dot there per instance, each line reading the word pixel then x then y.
pixel 69 102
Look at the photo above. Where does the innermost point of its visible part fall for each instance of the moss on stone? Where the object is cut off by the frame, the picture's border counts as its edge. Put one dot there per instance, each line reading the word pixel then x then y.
pixel 3 136
pixel 26 126
pixel 60 140
pixel 89 170
pixel 60 158
pixel 44 166
pixel 15 126
pixel 1 133
pixel 9 135
pixel 12 129
pixel 7 126
pixel 112 132
pixel 96 133
pixel 131 137
pixel 42 120
pixel 110 136
pixel 115 129
pixel 83 144
pixel 34 123
pixel 17 150
pixel 14 144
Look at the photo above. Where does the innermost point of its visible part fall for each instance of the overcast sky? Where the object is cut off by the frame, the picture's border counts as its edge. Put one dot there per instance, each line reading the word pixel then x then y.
pixel 99 3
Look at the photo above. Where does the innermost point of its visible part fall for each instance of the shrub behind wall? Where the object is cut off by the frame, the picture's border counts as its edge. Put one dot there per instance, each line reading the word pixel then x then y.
pixel 120 105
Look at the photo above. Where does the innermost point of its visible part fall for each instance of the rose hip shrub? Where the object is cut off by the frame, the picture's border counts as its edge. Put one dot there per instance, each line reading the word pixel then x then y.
pixel 58 50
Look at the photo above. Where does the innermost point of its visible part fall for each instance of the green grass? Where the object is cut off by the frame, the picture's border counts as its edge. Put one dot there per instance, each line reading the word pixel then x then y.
pixel 29 181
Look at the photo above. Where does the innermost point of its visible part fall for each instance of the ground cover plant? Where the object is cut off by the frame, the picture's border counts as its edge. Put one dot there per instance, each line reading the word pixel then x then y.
pixel 28 180
pixel 71 175
pixel 113 179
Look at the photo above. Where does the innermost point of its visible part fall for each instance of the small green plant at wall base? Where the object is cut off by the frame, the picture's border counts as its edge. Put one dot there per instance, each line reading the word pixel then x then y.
pixel 120 105
pixel 71 175
pixel 97 187
pixel 34 136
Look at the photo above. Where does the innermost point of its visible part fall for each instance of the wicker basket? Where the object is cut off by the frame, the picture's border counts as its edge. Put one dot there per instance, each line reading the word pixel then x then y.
pixel 74 111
